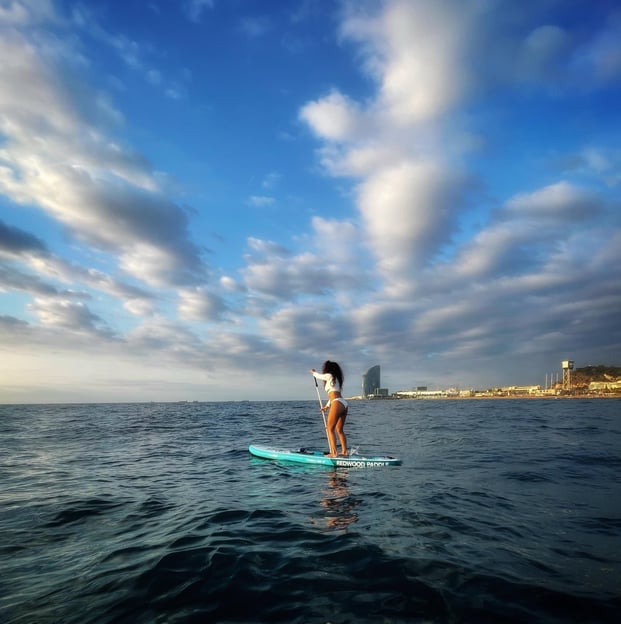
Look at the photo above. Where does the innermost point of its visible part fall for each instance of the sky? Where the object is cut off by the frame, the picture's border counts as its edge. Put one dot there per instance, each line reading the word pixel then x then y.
pixel 203 199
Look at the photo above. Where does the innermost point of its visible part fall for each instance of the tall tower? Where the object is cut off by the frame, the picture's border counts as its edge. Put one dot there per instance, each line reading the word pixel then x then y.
pixel 371 381
pixel 568 366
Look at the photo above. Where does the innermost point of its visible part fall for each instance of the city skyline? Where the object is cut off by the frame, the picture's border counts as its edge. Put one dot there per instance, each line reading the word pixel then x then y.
pixel 562 378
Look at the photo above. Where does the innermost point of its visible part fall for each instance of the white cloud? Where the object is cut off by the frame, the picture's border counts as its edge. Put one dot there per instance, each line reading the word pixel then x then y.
pixel 542 54
pixel 561 201
pixel 25 248
pixel 286 278
pixel 309 329
pixel 271 180
pixel 198 304
pixel 525 233
pixel 26 12
pixel 139 306
pixel 416 51
pixel 15 241
pixel 337 244
pixel 500 249
pixel 408 197
pixel 336 266
pixel 194 9
pixel 409 211
pixel 14 279
pixel 596 162
pixel 261 200
pixel 256 26
pixel 72 316
pixel 231 285
pixel 154 76
pixel 55 156
pixel 161 334
pixel 71 274
pixel 600 57
pixel 174 92
pixel 136 55
pixel 333 117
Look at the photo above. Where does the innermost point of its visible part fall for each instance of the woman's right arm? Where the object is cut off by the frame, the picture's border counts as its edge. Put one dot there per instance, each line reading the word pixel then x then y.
pixel 322 376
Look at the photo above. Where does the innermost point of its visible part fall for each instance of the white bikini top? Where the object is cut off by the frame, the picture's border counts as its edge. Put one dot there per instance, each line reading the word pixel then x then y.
pixel 331 384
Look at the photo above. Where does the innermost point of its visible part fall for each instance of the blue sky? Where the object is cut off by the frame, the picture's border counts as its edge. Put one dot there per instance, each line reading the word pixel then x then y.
pixel 200 200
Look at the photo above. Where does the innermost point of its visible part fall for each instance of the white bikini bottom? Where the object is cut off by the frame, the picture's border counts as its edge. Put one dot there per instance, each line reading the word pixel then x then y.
pixel 341 400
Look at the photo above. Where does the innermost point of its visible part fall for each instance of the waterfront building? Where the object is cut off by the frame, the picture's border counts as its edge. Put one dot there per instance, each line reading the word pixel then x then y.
pixel 371 382
pixel 521 390
pixel 605 386
pixel 420 394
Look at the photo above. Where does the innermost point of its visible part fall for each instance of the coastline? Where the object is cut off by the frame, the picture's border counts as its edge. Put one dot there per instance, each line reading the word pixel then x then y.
pixel 488 397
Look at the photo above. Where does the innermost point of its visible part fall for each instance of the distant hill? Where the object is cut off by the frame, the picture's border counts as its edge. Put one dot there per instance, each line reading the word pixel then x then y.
pixel 586 374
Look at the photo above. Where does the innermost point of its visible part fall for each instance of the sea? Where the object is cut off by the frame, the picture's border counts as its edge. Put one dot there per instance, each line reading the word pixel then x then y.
pixel 502 511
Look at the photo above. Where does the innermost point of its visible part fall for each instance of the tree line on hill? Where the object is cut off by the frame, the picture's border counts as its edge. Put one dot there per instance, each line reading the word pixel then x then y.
pixel 584 375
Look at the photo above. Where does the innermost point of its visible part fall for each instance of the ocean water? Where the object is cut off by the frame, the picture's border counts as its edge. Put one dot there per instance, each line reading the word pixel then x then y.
pixel 503 511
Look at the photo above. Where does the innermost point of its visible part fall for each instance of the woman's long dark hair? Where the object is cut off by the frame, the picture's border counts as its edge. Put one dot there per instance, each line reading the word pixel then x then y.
pixel 335 370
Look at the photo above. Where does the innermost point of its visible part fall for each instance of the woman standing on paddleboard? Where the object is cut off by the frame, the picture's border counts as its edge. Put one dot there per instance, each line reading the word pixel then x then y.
pixel 332 376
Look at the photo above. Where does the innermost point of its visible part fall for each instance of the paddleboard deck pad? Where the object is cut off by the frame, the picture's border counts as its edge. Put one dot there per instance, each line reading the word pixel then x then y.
pixel 309 456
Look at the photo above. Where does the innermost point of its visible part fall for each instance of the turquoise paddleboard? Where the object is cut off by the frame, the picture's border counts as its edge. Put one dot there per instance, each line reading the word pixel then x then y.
pixel 309 456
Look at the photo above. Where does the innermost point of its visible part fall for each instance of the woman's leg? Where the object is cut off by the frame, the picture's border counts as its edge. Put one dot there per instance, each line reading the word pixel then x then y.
pixel 331 439
pixel 340 424
pixel 335 421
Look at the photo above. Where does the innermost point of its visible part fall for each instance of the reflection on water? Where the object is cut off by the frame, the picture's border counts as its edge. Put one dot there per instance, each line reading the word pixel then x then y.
pixel 338 502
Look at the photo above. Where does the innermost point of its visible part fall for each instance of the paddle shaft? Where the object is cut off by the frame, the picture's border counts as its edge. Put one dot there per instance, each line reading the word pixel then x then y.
pixel 325 424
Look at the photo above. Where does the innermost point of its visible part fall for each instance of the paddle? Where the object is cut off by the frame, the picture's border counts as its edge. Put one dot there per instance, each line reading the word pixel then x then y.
pixel 325 424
